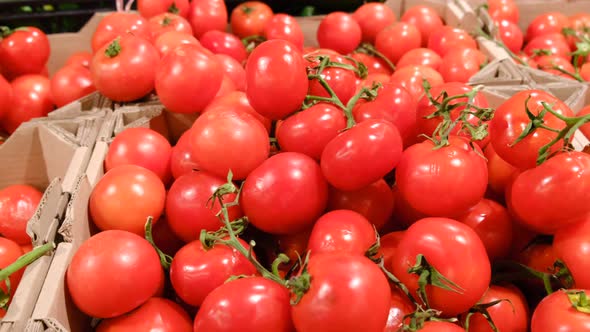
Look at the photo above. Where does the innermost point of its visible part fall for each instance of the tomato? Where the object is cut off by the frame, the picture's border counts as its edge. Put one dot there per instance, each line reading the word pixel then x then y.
pixel 229 139
pixel 71 83
pixel 551 195
pixel 554 43
pixel 170 40
pixel 220 42
pixel 442 182
pixel 500 172
pixel 579 22
pixel 342 81
pixel 444 243
pixel 82 58
pixel 361 155
pixel 373 79
pixel 546 23
pixel 510 315
pixel 151 8
pixel 5 96
pixel 293 245
pixel 374 64
pixel 141 190
pixel 207 15
pixel 310 130
pixel 187 79
pixel 119 24
pixel 448 38
pixel 585 72
pixel 284 195
pixel 539 256
pixel 571 246
pixel 553 64
pixel 340 32
pixel 400 307
pixel 276 79
pixel 397 39
pixel 425 18
pixel 249 18
pixel 196 271
pixel 341 231
pixel 373 17
pixel 10 251
pixel 182 160
pixel 411 78
pixel 459 65
pixel 24 51
pixel 504 10
pixel 511 119
pixel 251 305
pixel 233 70
pixel 374 202
pixel 420 57
pixel 285 27
pixel 440 326
pixel 31 98
pixel 527 59
pixel 155 314
pixel 585 129
pixel 388 246
pixel 511 35
pixel 239 101
pixel 166 22
pixel 18 204
pixel 556 313
pixel 335 279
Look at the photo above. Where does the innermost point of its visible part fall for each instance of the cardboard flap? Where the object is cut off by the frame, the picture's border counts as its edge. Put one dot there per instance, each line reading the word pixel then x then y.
pixel 75 227
pixel 149 116
pixel 22 159
pixel 54 143
pixel 40 227
pixel 572 93
pixel 498 72
pixel 460 14
pixel 90 103
pixel 95 169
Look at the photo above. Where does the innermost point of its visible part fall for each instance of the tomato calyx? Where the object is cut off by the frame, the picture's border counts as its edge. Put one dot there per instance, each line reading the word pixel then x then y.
pixel 165 260
pixel 114 48
pixel 508 271
pixel 166 21
pixel 429 275
pixel 369 49
pixel 541 51
pixel 6 31
pixel 482 308
pixel 251 42
pixel 173 9
pixel 579 300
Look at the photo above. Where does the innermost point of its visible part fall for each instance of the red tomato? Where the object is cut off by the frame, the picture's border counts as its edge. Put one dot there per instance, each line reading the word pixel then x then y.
pixel 285 27
pixel 539 257
pixel 504 10
pixel 442 182
pixel 249 18
pixel 207 15
pixel 10 251
pixel 398 39
pixel 361 155
pixel 420 57
pixel 552 195
pixel 340 32
pixel 26 247
pixel 233 70
pixel 571 245
pixel 342 81
pixel 553 64
pixel 388 246
pixel 448 38
pixel 443 242
pixel 585 129
pixel 511 35
pixel 239 101
pixel 411 78
pixel 18 204
pixel 546 23
pixel 554 43
pixel 373 79
pixel 119 24
pixel 71 83
pixel 374 64
pixel 24 51
pixel 425 18
pixel 459 65
pixel 124 70
pixel 166 22
pixel 404 215
pixel 285 195
pixel 5 96
pixel 220 42
pixel 229 139
pixel 151 8
pixel 187 79
pixel 293 245
pixel 156 314
pixel 276 79
pixel 510 315
pixel 511 119
pixel 195 271
pixel 182 160
pixel 170 40
pixel 556 313
pixel 141 190
pixel 251 304
pixel 373 17
pixel 227 86
pixel 310 130
pixel 500 172
pixel 440 326
pixel 585 73
pixel 341 231
pixel 579 22
pixel 399 308
pixel 31 98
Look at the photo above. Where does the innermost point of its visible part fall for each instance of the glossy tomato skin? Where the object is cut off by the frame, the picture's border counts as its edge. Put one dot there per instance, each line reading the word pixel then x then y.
pixel 182 160
pixel 341 231
pixel 187 79
pixel 336 278
pixel 448 38
pixel 459 65
pixel 250 18
pixel 510 315
pixel 118 24
pixel 511 35
pixel 10 251
pixel 234 70
pixel 340 32
pixel 425 18
pixel 18 204
pixel 374 64
pixel 5 96
pixel 137 274
pixel 71 83
pixel 166 22
pixel 504 10
pixel 31 98
pixel 25 51
pixel 151 8
pixel 555 313
pixel 252 305
pixel 420 57
pixel 195 271
pixel 141 190
pixel 310 130
pixel 286 194
pixel 397 39
pixel 239 101
pixel 571 245
pixel 546 23
pixel 500 173
pixel 81 58
pixel 372 18
pixel 276 79
pixel 361 155
pixel 434 326
pixel 400 307
pixel 342 82
pixel 555 43
pixel 442 182
pixel 155 314
pixel 285 27
pixel 411 78
pixel 170 40
pixel 441 241
pixel 388 246
pixel 220 42
pixel 207 15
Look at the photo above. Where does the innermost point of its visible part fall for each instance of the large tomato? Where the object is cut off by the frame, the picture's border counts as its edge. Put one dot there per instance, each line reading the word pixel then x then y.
pixel 397 39
pixel 166 22
pixel 170 40
pixel 556 312
pixel 372 18
pixel 71 83
pixel 448 38
pixel 286 194
pixel 121 253
pixel 151 8
pixel 24 51
pixel 420 57
pixel 339 31
pixel 425 18
pixel 238 101
pixel 118 24
pixel 571 244
pixel 31 98
pixel 547 23
pixel 412 77
pixel 460 64
pixel 207 15
pixel 341 231
pixel 445 243
pixel 286 27
pixel 18 204
pixel 220 42
pixel 509 315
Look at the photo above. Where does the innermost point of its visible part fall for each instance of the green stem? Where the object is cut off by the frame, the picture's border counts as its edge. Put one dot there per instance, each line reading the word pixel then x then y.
pixel 281 259
pixel 371 50
pixel 165 259
pixel 26 259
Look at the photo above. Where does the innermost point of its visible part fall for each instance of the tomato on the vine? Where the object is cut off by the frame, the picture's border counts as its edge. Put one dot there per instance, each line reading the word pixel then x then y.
pixel 511 35
pixel 546 23
pixel 341 231
pixel 341 81
pixel 285 27
pixel 571 244
pixel 412 77
pixel 552 44
pixel 504 10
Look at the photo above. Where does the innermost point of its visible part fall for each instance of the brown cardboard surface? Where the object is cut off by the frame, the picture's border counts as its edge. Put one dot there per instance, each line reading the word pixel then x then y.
pixel 94 102
pixel 62 46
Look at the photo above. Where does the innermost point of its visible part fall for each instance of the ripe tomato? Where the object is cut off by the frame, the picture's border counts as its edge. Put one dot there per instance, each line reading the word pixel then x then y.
pixel 151 8
pixel 442 182
pixel 193 72
pixel 556 313
pixel 361 155
pixel 339 31
pixel 373 17
pixel 373 79
pixel 504 10
pixel 285 27
pixel 585 129
pixel 227 86
pixel 374 64
pixel 182 160
pixel 341 231
pixel 554 43
pixel 425 18
pixel 399 308
pixel 170 40
pixel 141 190
pixel 276 79
pixel 118 24
pixel 81 58
pixel 579 22
pixel 239 101
pixel 24 51
pixel 551 63
pixel 571 246
pixel 234 70
pixel 511 35
pixel 18 204
pixel 220 42
pixel 500 173
pixel 31 98
pixel 388 246
pixel 444 242
pixel 546 23
pixel 310 130
pixel 251 304
pixel 10 251
pixel 420 57
pixel 229 139
pixel 448 38
pixel 411 78
pixel 440 326
pixel 397 39
pixel 249 18
pixel 207 15
pixel 511 119
pixel 155 314
pixel 336 278
pixel 5 96
pixel 458 65
pixel 71 83
pixel 195 271
pixel 510 315
pixel 285 195
pixel 166 22
pixel 342 81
